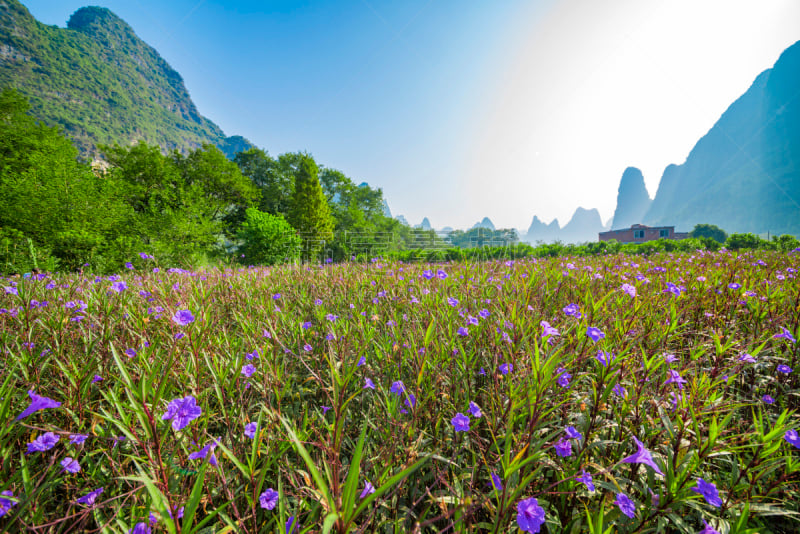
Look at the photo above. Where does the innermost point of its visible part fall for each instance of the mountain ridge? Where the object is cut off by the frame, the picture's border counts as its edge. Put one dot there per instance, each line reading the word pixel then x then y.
pixel 125 91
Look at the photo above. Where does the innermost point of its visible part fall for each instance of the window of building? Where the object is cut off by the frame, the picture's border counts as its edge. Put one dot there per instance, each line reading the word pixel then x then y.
pixel 663 233
pixel 638 234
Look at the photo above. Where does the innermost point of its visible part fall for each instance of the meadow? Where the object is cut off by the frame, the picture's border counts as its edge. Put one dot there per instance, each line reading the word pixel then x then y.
pixel 576 394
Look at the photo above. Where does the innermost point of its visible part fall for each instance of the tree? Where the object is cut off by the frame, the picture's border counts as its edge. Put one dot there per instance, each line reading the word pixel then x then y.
pixel 308 210
pixel 49 196
pixel 709 230
pixel 275 179
pixel 267 239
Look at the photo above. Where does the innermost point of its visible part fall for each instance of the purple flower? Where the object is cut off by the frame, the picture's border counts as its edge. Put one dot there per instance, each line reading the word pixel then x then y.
pixel 307 325
pixel 368 489
pixel 70 465
pixel 37 403
pixel 563 379
pixel 368 383
pixel 182 317
pixel 441 274
pixel 472 320
pixel 506 368
pixel 786 334
pixel 572 310
pixel 5 503
pixel 204 453
pixel 397 388
pixel 248 370
pixel 497 483
pixel 290 525
pixel 268 499
pixel 573 433
pixel 707 529
pixel 629 289
pixel 792 437
pixel 747 358
pixel 11 290
pixel 620 391
pixel 675 378
pixel 427 275
pixel 484 313
pixel 411 400
pixel 709 492
pixel 43 443
pixel 672 288
pixel 563 447
pixel 325 409
pixel 77 439
pixel 586 478
pixel 251 355
pixel 307 347
pixel 784 369
pixel 182 411
pixel 361 361
pixel 474 410
pixel 90 497
pixel 734 285
pixel 595 333
pixel 642 456
pixel 768 399
pixel 626 506
pixel 669 358
pixel 460 422
pixel 604 357
pixel 140 528
pixel 96 379
pixel 530 516
pixel 130 353
pixel 119 287
pixel 250 430
pixel 463 332
pixel 452 302
pixel 548 330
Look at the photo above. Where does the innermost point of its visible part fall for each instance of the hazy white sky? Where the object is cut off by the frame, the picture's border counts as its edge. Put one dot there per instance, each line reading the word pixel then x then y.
pixel 595 86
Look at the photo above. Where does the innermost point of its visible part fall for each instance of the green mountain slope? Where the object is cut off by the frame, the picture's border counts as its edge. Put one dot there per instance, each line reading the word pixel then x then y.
pixel 100 83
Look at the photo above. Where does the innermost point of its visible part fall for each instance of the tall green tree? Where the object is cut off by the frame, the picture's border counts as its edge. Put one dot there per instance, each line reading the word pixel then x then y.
pixel 274 178
pixel 309 213
pixel 51 197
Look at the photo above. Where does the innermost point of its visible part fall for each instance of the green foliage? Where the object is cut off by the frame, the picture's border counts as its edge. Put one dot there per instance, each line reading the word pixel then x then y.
pixel 308 210
pixel 747 241
pixel 483 237
pixel 786 243
pixel 275 179
pixel 709 230
pixel 267 239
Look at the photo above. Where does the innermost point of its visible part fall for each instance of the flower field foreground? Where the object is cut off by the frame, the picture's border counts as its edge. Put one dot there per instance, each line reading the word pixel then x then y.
pixel 599 394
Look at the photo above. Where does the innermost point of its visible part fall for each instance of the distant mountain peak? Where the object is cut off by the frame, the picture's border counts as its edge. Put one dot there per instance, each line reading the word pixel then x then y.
pixel 632 199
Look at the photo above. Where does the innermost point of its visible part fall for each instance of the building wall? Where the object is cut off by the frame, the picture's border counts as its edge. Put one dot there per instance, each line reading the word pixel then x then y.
pixel 650 234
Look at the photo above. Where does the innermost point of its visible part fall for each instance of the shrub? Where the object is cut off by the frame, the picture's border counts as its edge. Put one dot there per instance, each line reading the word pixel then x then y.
pixel 267 239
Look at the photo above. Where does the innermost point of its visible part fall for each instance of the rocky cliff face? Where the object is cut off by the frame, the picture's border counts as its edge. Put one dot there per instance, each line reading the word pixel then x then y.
pixel 744 174
pixel 632 200
pixel 100 83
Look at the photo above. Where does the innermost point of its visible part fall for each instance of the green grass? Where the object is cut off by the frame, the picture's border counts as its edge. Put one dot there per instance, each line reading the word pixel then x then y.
pixel 322 435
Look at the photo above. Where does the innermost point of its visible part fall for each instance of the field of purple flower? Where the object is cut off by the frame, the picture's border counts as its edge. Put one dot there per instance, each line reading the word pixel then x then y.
pixel 647 394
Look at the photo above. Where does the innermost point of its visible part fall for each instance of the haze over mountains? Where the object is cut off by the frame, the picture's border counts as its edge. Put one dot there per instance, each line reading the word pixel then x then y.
pixel 101 84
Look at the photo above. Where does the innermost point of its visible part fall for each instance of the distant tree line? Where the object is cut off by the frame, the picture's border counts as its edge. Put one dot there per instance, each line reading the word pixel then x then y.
pixel 59 213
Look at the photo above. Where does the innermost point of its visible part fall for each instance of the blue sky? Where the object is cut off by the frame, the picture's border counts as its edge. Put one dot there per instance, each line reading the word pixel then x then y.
pixel 465 109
